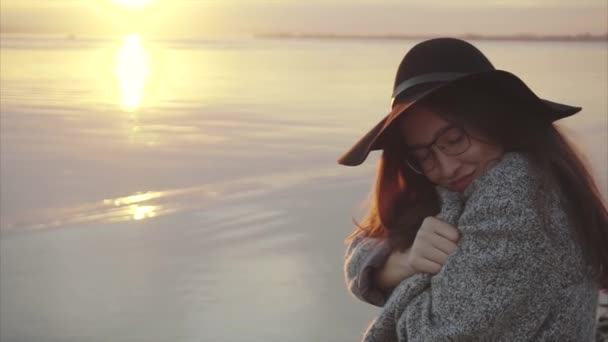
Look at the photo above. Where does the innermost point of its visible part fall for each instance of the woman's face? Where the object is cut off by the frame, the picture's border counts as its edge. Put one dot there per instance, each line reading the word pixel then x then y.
pixel 421 125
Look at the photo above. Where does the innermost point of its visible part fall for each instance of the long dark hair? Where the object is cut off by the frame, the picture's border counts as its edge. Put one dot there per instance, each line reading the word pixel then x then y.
pixel 400 198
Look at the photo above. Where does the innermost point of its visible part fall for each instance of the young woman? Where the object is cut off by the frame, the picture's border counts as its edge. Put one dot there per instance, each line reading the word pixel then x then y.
pixel 485 224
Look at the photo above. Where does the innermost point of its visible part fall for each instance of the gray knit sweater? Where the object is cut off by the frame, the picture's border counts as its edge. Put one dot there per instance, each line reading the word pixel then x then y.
pixel 517 274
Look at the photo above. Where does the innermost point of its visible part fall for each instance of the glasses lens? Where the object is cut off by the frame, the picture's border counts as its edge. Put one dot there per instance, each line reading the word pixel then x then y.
pixel 454 141
pixel 414 165
pixel 420 159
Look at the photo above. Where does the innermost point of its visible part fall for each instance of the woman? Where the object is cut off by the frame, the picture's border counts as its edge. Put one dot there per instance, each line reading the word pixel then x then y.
pixel 485 225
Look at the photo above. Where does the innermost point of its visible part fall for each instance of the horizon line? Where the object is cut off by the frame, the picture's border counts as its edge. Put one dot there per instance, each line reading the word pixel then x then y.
pixel 586 36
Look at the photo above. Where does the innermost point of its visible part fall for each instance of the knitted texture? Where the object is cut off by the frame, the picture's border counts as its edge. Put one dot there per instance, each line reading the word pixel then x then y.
pixel 517 274
pixel 364 256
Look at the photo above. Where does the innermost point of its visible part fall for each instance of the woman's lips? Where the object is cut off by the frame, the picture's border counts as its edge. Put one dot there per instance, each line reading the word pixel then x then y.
pixel 462 183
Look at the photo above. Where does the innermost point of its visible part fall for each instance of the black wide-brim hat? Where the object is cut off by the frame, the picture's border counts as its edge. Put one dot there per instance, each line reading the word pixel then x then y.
pixel 441 65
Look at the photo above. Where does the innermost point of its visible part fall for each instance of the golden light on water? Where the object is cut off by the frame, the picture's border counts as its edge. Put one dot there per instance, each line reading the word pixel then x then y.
pixel 134 207
pixel 142 212
pixel 133 3
pixel 132 69
pixel 134 198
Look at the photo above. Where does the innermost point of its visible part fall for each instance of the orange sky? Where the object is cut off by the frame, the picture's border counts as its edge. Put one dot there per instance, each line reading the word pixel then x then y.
pixel 192 18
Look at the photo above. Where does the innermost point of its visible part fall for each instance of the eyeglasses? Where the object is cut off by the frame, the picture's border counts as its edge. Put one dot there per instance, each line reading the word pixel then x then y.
pixel 452 141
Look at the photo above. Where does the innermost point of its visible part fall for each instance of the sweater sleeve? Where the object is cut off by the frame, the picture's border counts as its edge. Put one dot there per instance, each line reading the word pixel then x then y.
pixel 364 256
pixel 499 283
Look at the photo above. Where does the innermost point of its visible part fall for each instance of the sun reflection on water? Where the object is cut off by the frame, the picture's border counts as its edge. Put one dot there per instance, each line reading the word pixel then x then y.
pixel 136 210
pixel 132 69
pixel 134 198
pixel 134 4
pixel 142 212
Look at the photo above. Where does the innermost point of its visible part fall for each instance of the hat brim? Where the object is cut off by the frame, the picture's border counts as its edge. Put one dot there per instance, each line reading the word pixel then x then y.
pixel 553 110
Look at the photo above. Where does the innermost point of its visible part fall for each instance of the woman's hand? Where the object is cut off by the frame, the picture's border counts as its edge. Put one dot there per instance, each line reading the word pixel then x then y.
pixel 434 242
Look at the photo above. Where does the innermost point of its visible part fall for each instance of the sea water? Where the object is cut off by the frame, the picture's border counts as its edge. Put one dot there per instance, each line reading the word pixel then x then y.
pixel 188 190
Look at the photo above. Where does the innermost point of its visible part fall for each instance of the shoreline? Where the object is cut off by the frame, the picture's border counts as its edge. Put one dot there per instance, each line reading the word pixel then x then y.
pixel 523 37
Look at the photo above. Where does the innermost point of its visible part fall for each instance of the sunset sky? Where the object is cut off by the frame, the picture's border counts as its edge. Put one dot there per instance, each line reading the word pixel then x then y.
pixel 200 18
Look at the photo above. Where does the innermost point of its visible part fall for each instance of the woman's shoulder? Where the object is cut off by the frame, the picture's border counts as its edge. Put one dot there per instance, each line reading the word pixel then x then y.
pixel 510 181
pixel 514 176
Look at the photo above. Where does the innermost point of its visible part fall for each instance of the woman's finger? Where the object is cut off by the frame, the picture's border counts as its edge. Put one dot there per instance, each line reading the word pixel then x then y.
pixel 445 245
pixel 446 230
pixel 436 255
pixel 428 266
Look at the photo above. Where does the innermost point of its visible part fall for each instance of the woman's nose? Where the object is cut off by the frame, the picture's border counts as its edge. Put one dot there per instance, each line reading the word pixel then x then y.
pixel 447 165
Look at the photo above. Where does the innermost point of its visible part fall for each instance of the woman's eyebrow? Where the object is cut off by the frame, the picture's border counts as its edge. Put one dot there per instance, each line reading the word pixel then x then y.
pixel 437 134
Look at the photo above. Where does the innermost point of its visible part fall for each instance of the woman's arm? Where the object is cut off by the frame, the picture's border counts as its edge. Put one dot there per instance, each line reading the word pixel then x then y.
pixel 372 274
pixel 499 284
pixel 395 269
pixel 505 282
pixel 363 258
pixel 434 242
pixel 504 279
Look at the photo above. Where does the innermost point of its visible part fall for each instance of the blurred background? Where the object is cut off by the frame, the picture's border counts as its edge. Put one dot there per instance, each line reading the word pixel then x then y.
pixel 168 168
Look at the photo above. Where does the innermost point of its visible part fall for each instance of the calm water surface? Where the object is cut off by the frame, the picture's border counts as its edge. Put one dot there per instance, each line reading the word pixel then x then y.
pixel 188 190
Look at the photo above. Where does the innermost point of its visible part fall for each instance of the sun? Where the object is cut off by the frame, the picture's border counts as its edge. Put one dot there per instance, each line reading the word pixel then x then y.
pixel 133 3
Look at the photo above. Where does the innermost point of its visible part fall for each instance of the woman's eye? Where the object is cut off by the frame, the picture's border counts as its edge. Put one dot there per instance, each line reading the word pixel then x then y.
pixel 422 156
pixel 452 136
pixel 456 140
pixel 419 155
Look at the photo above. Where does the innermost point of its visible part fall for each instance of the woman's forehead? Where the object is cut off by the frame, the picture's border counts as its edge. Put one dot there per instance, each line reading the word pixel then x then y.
pixel 420 126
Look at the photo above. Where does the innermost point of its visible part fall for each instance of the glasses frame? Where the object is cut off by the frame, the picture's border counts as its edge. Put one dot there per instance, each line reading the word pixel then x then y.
pixel 434 143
